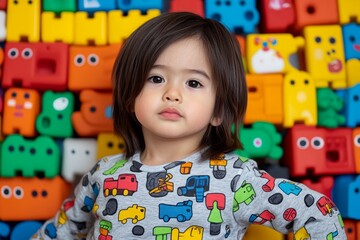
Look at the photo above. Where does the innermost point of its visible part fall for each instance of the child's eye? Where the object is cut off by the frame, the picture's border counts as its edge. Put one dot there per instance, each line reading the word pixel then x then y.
pixel 194 84
pixel 156 79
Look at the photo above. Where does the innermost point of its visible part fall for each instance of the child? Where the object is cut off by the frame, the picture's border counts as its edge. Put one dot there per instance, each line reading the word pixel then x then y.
pixel 179 87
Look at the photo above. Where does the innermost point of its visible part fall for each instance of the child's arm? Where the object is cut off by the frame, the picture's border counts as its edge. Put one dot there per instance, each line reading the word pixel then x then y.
pixel 75 219
pixel 284 205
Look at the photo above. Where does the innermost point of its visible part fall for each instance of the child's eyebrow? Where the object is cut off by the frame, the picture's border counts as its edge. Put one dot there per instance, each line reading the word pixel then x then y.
pixel 197 71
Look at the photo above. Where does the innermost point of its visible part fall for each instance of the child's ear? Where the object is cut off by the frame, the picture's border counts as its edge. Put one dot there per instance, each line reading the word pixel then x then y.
pixel 215 121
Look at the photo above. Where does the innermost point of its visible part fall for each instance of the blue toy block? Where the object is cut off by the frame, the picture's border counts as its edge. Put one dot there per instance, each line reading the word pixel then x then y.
pixel 4 230
pixel 346 195
pixel 351 97
pixel 239 16
pixel 142 5
pixel 351 36
pixel 92 6
pixel 24 230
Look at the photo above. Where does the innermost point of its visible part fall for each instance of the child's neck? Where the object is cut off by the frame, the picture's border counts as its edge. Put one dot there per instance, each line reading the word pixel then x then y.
pixel 166 152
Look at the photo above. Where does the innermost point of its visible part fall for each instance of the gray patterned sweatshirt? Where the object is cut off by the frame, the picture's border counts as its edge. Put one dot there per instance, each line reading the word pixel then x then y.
pixel 189 199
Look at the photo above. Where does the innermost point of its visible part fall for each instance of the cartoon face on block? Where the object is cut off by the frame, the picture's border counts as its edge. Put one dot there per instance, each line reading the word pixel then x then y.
pixel 29 157
pixel 22 198
pixel 324 55
pixel 299 99
pixel 91 67
pixel 109 144
pixel 351 35
pixel 23 21
pixel 319 150
pixel 79 156
pixel 95 114
pixel 21 106
pixel 238 16
pixel 55 118
pixel 43 65
pixel 270 53
pixel 356 147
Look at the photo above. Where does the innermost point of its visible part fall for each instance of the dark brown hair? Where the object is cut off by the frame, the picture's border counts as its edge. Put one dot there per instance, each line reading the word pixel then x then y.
pixel 141 50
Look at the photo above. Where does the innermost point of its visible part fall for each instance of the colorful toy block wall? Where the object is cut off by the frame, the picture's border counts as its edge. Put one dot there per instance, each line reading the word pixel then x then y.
pixel 303 74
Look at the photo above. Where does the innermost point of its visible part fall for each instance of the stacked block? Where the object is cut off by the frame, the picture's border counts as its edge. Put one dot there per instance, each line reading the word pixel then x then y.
pixel 302 61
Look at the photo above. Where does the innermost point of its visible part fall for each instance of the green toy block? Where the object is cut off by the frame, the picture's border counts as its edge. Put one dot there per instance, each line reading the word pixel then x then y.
pixel 329 106
pixel 55 117
pixel 59 5
pixel 260 141
pixel 29 157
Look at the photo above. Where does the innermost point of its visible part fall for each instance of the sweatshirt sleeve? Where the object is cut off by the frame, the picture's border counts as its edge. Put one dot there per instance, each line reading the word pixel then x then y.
pixel 75 218
pixel 284 205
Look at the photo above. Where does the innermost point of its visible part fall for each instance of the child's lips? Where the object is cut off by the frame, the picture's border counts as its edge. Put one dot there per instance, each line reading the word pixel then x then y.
pixel 170 114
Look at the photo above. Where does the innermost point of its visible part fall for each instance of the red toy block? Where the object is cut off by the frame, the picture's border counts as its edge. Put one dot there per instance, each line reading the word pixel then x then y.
pixel 21 107
pixel 31 198
pixel 315 151
pixel 3 4
pixel 41 66
pixel 315 12
pixel 91 67
pixel 95 114
pixel 194 6
pixel 277 15
pixel 323 185
pixel 356 147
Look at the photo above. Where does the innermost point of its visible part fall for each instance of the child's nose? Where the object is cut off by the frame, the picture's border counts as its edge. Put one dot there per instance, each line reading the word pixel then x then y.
pixel 172 95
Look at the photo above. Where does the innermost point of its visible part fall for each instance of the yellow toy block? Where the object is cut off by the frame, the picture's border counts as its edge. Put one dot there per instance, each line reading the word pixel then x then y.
pixel 299 99
pixel 120 26
pixel 91 31
pixel 349 11
pixel 265 98
pixel 270 53
pixel 55 29
pixel 23 21
pixel 109 144
pixel 353 72
pixel 259 232
pixel 324 55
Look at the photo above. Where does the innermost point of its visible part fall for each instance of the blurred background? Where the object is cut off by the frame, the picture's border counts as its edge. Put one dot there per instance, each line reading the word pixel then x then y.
pixel 302 59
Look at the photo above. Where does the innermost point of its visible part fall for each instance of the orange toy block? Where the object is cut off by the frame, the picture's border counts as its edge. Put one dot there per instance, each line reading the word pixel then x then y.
pixel 257 232
pixel 95 115
pixel 352 72
pixel 349 11
pixel 265 98
pixel 57 28
pixel 109 144
pixel 23 21
pixel 21 107
pixel 31 198
pixel 324 55
pixel 299 99
pixel 120 26
pixel 91 67
pixel 91 31
pixel 315 12
pixel 352 229
pixel 270 53
pixel 356 148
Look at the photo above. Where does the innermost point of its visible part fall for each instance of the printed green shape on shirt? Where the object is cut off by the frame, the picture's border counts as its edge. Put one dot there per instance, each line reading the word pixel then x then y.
pixel 117 165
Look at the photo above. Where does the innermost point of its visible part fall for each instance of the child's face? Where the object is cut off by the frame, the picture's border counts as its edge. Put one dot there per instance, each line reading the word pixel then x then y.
pixel 178 98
